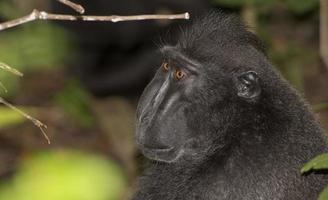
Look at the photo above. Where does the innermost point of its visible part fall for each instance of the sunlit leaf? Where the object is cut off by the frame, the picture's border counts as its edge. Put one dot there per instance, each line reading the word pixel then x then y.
pixel 324 194
pixel 318 163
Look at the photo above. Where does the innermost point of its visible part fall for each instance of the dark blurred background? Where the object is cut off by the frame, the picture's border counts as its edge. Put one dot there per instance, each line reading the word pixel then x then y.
pixel 83 80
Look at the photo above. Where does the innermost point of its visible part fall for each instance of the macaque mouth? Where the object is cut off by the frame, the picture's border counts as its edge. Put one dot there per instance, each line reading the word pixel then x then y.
pixel 159 150
pixel 162 155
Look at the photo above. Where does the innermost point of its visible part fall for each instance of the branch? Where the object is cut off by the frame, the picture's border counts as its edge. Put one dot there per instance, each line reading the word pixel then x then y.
pixel 78 8
pixel 41 15
pixel 10 69
pixel 35 121
pixel 5 67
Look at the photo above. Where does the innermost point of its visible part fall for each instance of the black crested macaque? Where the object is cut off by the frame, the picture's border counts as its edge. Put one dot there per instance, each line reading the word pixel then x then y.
pixel 218 122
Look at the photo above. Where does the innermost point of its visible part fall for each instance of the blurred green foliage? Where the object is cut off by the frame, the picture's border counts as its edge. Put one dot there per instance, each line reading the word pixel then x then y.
pixel 10 117
pixel 239 3
pixel 320 106
pixel 291 61
pixel 9 10
pixel 302 6
pixel 65 175
pixel 296 6
pixel 75 100
pixel 289 57
pixel 32 46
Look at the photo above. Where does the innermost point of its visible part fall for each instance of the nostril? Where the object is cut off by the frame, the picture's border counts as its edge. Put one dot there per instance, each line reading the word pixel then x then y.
pixel 144 118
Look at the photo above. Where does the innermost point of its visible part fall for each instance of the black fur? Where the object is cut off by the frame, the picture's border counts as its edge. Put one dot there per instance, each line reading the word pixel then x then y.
pixel 256 146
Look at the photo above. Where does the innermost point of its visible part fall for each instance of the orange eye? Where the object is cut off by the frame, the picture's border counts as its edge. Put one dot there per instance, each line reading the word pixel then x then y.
pixel 166 66
pixel 179 74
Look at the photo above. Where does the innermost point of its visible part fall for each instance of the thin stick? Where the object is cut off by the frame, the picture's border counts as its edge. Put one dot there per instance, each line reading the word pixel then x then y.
pixel 9 69
pixel 41 15
pixel 77 7
pixel 35 121
pixel 3 87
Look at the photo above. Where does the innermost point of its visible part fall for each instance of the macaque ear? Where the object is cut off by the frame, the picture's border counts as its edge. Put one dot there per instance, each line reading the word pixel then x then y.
pixel 247 85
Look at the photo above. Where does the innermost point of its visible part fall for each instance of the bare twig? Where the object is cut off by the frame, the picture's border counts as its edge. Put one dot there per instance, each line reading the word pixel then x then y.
pixel 78 8
pixel 9 69
pixel 41 15
pixel 3 87
pixel 35 121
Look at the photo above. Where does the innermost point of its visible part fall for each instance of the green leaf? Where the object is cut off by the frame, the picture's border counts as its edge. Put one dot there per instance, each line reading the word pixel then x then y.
pixel 324 194
pixel 318 163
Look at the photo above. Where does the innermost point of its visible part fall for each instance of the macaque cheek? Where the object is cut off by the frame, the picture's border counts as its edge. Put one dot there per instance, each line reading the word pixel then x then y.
pixel 173 126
